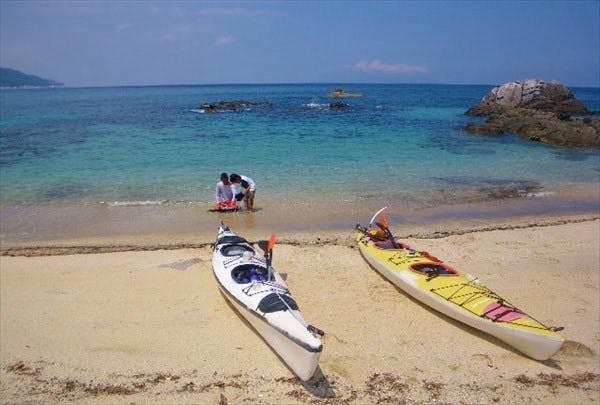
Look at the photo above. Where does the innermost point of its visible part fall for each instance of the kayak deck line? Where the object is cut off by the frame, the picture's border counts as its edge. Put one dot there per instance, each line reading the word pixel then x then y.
pixel 506 307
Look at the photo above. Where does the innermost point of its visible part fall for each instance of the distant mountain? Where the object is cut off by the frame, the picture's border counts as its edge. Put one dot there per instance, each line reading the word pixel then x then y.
pixel 14 78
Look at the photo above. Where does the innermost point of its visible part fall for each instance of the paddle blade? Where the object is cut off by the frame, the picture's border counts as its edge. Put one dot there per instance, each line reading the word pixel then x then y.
pixel 384 221
pixel 271 243
pixel 262 244
pixel 375 216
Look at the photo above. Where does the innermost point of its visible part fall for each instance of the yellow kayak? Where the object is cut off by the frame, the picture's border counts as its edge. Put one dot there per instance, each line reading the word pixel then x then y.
pixel 462 297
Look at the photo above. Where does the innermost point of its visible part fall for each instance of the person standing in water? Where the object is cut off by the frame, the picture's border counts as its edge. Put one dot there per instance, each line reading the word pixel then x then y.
pixel 248 189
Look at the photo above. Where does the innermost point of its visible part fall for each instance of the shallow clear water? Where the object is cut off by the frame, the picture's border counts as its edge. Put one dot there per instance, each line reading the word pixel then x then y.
pixel 151 145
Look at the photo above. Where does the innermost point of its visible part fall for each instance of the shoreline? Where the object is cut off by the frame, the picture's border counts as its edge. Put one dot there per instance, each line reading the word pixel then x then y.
pixel 335 238
pixel 189 225
pixel 150 326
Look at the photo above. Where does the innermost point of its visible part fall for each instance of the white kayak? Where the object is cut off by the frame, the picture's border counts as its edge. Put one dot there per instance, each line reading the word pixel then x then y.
pixel 262 297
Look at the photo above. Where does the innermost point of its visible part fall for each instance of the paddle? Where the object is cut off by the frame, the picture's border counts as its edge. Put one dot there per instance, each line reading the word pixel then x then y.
pixel 269 254
pixel 271 243
pixel 266 245
pixel 375 216
pixel 385 227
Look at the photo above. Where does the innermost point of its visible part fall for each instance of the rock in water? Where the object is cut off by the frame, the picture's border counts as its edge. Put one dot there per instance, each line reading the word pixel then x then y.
pixel 236 105
pixel 537 94
pixel 536 110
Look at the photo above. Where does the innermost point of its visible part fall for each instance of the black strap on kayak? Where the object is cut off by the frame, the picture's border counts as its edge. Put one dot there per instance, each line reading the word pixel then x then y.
pixel 361 229
pixel 314 329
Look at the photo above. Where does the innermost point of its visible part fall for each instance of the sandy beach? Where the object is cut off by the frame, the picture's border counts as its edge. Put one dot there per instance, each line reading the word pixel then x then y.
pixel 90 322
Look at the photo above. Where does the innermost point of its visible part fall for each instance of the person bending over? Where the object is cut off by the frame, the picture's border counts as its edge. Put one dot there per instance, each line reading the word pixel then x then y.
pixel 248 189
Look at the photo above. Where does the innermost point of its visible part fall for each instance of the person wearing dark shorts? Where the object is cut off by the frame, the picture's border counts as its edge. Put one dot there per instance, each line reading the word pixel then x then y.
pixel 248 189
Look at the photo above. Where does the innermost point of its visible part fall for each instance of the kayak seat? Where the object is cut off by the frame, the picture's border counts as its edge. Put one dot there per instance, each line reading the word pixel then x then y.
pixel 433 269
pixel 276 302
pixel 387 244
pixel 235 250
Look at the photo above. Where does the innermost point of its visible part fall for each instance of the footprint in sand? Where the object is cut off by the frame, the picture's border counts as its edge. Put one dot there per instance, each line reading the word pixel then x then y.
pixel 181 265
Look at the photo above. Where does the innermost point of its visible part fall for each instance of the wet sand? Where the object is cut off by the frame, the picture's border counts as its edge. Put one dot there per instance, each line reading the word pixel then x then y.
pixel 89 320
pixel 77 223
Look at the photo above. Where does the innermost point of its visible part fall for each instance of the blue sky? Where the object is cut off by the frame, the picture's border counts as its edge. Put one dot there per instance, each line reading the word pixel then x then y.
pixel 111 43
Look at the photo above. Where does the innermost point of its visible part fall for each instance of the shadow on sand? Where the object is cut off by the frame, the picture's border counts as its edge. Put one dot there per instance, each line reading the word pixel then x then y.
pixel 318 385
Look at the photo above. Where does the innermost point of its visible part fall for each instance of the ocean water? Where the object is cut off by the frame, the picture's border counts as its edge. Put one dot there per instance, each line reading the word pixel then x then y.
pixel 400 145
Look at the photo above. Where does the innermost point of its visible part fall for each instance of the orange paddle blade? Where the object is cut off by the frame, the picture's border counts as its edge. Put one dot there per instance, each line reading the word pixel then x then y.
pixel 271 243
pixel 384 221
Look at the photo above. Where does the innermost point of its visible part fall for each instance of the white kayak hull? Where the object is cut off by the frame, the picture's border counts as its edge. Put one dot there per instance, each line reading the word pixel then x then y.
pixel 266 304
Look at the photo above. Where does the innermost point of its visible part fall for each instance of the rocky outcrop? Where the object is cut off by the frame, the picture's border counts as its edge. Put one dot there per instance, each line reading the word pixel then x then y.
pixel 536 110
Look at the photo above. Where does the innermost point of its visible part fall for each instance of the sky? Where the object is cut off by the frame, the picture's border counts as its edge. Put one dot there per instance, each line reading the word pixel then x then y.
pixel 119 43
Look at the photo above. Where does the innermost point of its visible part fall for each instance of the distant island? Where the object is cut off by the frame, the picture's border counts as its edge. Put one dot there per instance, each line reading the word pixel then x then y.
pixel 10 78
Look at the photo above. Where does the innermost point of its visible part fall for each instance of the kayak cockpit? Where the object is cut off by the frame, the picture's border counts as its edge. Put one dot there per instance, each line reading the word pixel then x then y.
pixel 387 244
pixel 433 269
pixel 247 273
pixel 236 250
pixel 231 239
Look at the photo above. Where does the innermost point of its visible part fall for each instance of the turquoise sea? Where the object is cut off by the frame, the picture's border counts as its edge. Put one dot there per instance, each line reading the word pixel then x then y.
pixel 100 149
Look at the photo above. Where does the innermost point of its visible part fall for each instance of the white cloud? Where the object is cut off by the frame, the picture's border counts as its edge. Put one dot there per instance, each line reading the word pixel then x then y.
pixel 123 27
pixel 235 12
pixel 377 65
pixel 176 33
pixel 225 40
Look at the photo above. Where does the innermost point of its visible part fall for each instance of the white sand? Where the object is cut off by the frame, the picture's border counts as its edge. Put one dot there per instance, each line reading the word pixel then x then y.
pixel 152 327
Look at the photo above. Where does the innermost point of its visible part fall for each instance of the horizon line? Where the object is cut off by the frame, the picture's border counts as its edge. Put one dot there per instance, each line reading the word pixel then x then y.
pixel 339 84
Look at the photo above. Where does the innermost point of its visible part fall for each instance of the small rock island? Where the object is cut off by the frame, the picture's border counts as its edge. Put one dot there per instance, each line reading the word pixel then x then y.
pixel 340 93
pixel 536 110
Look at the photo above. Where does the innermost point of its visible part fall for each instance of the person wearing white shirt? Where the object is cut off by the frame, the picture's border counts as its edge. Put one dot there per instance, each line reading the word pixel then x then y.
pixel 248 189
pixel 225 191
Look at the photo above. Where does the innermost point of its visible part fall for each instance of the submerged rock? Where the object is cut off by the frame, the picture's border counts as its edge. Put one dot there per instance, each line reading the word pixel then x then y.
pixel 338 105
pixel 536 110
pixel 223 106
